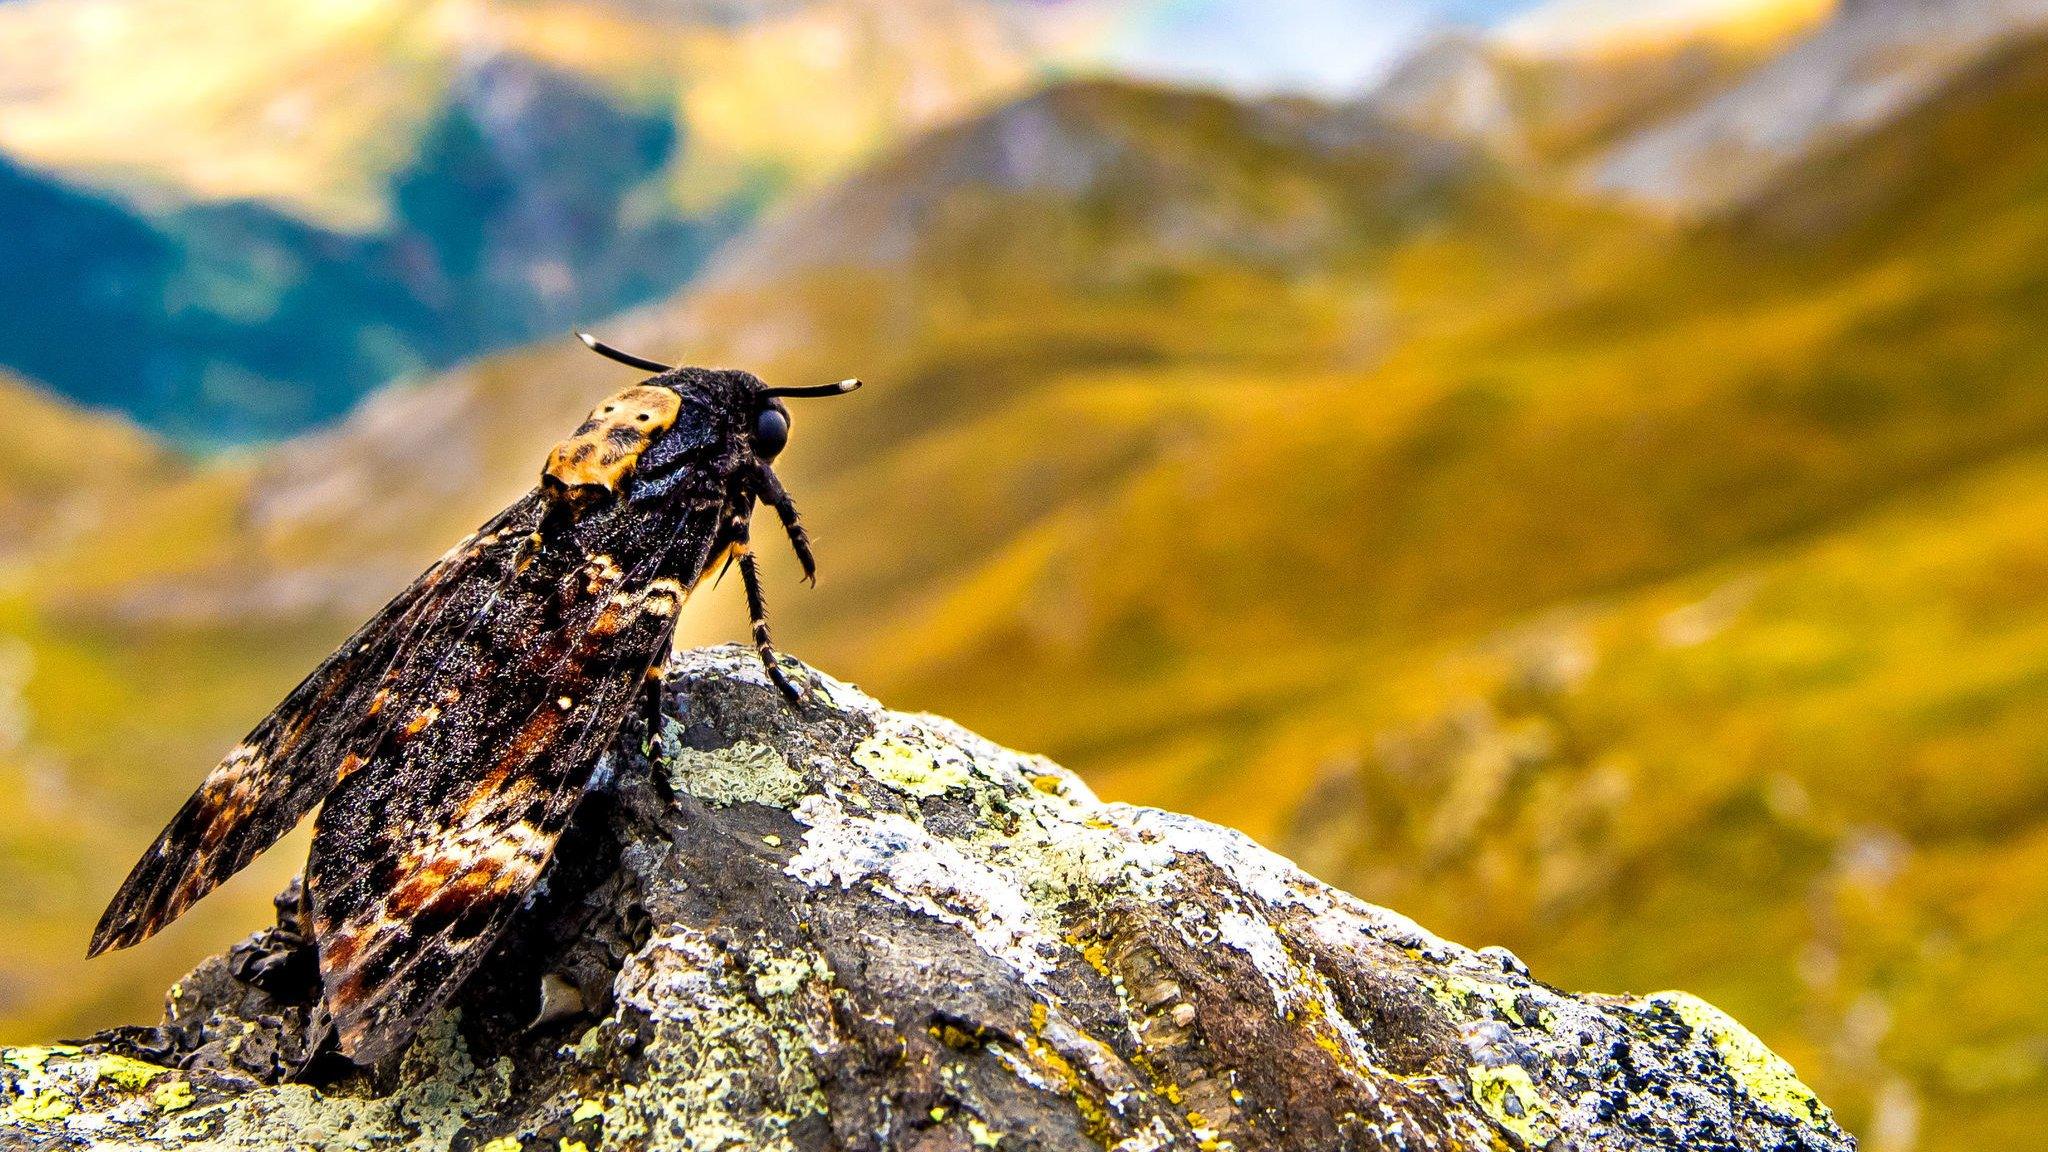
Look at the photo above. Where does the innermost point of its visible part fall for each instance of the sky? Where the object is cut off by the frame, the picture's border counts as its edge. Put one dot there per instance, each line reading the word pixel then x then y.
pixel 1325 47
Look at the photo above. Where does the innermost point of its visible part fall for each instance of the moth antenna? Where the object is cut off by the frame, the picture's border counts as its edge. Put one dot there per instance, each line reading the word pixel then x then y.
pixel 839 389
pixel 627 358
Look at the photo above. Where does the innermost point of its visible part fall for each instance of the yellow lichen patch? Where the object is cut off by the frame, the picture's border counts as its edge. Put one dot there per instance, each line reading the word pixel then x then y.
pixel 909 768
pixel 421 719
pixel 1508 1096
pixel 1760 1072
pixel 980 1133
pixel 32 1059
pixel 568 1145
pixel 126 1073
pixel 1095 954
pixel 501 1144
pixel 1095 1119
pixel 173 1095
pixel 48 1104
pixel 586 1110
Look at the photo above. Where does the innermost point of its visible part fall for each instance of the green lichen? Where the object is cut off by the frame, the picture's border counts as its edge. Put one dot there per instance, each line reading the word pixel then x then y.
pixel 743 773
pixel 1509 1097
pixel 1761 1073
pixel 908 767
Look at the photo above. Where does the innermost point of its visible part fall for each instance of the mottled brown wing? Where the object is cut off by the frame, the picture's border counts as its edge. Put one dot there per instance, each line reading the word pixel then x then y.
pixel 422 855
pixel 293 758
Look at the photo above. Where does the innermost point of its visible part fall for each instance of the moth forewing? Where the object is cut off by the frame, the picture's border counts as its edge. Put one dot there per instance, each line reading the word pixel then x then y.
pixel 452 737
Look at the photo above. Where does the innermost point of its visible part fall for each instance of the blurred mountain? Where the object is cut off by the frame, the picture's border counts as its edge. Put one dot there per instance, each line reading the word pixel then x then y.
pixel 1569 79
pixel 1327 476
pixel 319 108
pixel 365 192
pixel 1870 62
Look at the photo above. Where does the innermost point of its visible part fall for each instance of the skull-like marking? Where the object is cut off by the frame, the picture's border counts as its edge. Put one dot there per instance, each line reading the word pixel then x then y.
pixel 604 449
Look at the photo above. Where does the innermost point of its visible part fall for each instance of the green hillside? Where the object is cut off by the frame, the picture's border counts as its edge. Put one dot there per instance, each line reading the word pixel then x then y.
pixel 1664 604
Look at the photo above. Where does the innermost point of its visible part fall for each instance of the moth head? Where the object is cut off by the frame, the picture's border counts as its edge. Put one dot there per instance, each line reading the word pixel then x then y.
pixel 761 410
pixel 770 432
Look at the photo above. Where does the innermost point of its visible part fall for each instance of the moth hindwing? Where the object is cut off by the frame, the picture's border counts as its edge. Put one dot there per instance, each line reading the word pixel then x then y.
pixel 449 740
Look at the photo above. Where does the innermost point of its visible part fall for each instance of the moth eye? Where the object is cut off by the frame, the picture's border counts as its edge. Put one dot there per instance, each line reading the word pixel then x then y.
pixel 771 432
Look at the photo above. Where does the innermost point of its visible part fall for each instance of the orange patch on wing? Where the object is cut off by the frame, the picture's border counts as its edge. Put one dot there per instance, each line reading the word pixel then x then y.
pixel 497 792
pixel 539 733
pixel 423 885
pixel 608 619
pixel 340 947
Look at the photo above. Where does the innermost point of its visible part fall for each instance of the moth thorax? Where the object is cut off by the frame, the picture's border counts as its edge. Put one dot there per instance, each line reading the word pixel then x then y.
pixel 603 451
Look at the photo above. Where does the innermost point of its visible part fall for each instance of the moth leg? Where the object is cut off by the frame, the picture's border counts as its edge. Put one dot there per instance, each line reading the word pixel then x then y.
pixel 757 610
pixel 777 497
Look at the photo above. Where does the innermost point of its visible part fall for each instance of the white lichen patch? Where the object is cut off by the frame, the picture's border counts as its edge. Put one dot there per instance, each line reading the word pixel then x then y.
pixel 907 865
pixel 743 773
pixel 1257 940
pixel 1763 1074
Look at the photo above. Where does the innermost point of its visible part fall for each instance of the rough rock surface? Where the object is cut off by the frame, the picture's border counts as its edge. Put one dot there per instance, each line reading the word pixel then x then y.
pixel 852 928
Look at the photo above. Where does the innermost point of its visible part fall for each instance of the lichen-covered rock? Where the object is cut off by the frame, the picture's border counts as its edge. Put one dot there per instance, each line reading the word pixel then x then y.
pixel 843 927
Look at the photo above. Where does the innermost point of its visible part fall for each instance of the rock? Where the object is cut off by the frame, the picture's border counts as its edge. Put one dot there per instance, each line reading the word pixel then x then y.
pixel 844 927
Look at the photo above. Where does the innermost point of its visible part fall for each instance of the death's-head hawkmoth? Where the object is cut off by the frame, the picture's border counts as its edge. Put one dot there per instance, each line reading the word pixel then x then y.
pixel 449 740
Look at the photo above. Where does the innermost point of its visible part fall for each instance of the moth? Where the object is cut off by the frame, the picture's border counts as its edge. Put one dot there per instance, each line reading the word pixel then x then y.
pixel 449 740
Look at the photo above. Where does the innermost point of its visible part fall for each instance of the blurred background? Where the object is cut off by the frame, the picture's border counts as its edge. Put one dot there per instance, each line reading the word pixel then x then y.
pixel 1575 471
